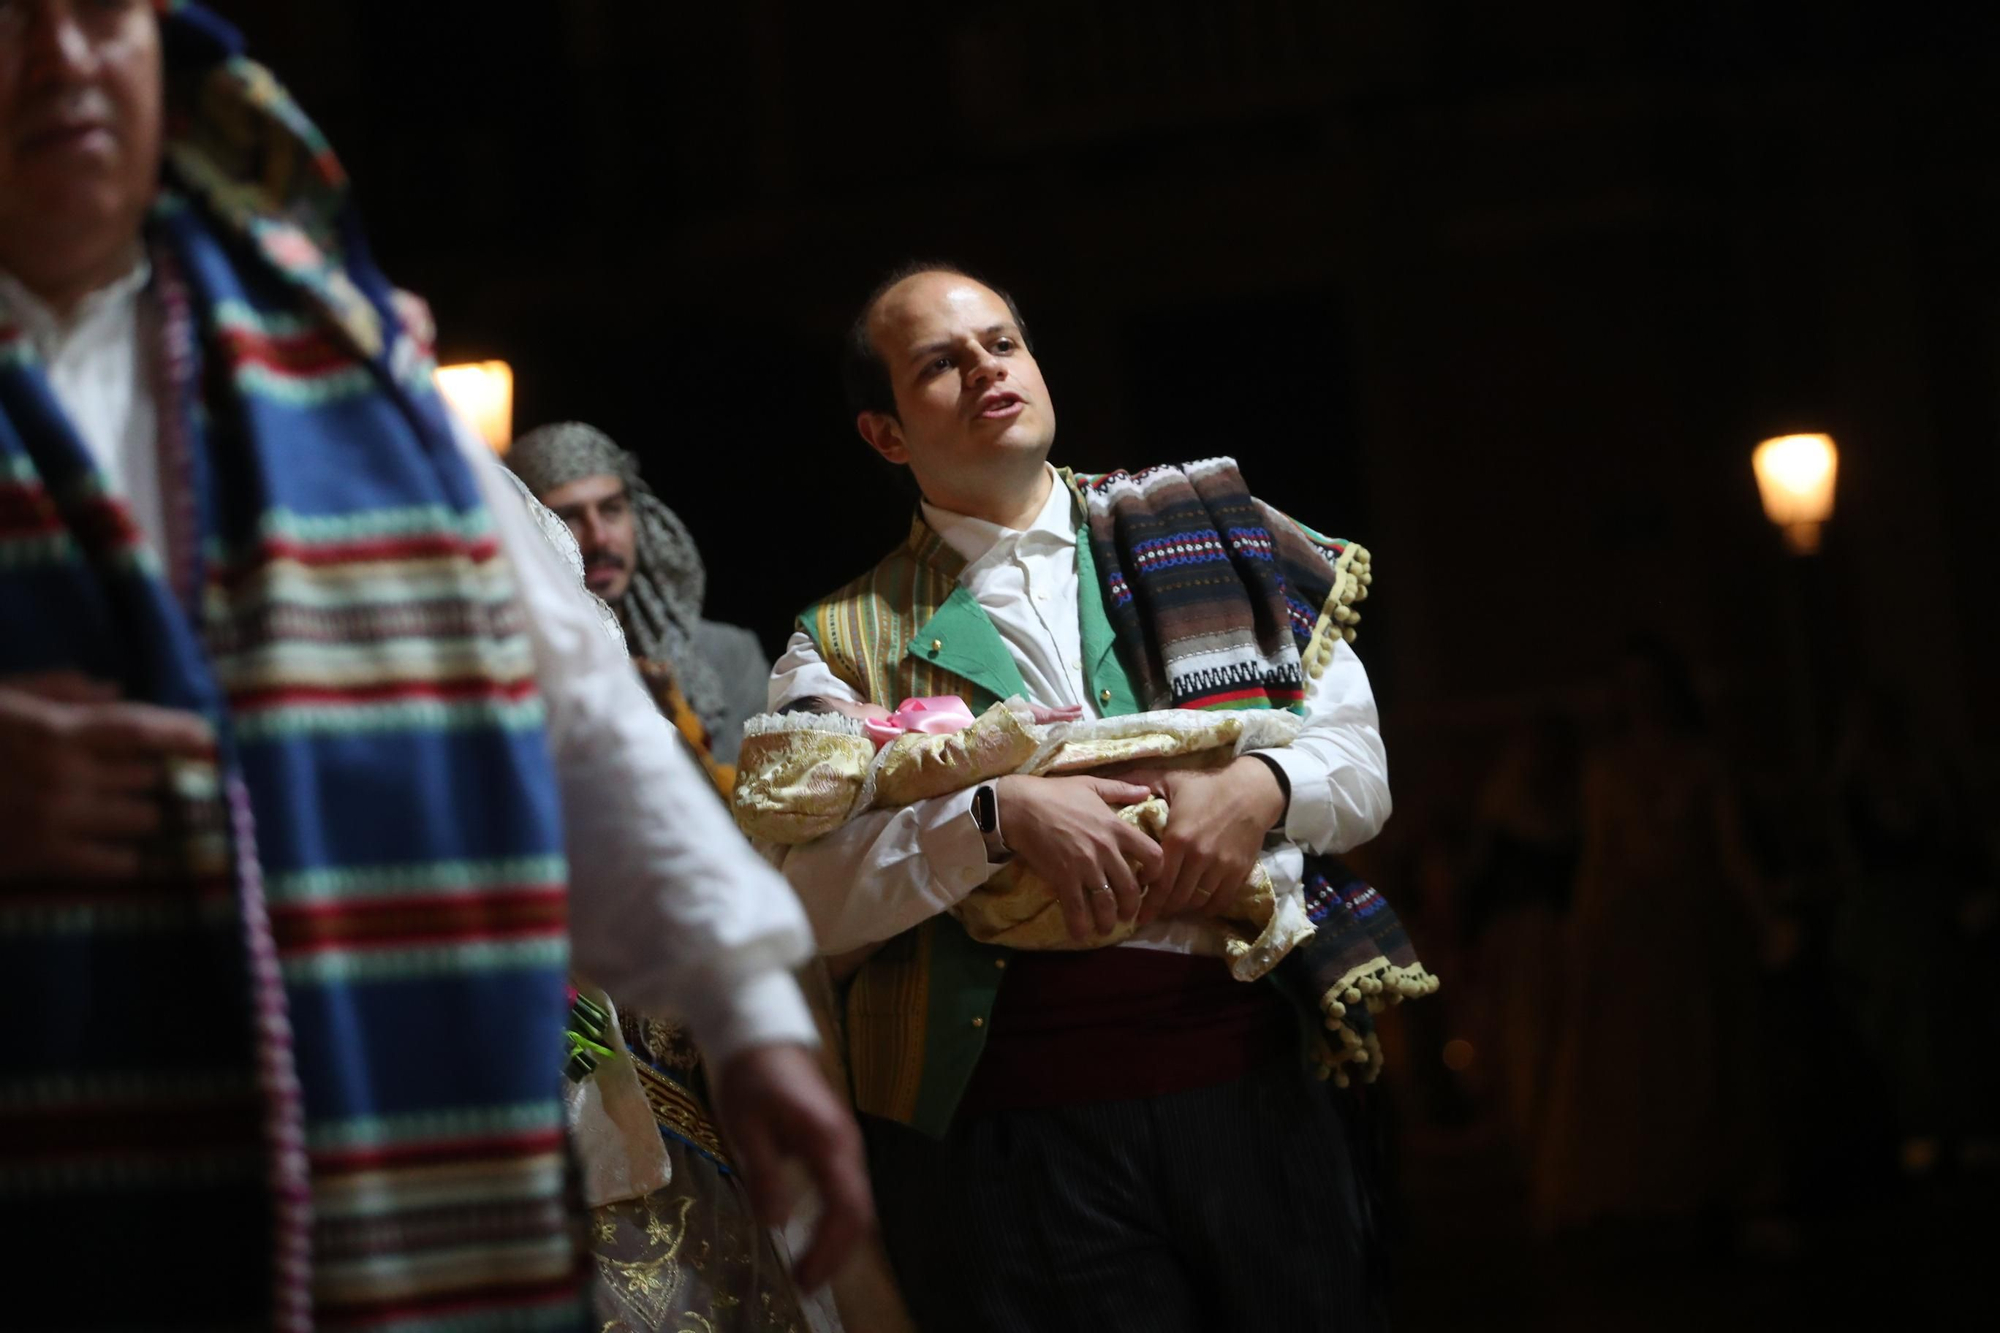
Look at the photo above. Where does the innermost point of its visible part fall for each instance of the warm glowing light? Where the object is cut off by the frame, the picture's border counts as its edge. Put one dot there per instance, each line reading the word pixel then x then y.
pixel 1458 1055
pixel 483 393
pixel 1795 475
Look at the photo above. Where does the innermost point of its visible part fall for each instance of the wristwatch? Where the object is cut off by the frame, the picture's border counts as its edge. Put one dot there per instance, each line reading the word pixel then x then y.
pixel 986 818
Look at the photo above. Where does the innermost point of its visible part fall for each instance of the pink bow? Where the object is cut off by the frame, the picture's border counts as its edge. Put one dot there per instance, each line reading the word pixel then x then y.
pixel 939 715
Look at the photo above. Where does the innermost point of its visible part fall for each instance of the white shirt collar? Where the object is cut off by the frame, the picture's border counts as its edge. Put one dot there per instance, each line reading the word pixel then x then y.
pixel 41 323
pixel 976 538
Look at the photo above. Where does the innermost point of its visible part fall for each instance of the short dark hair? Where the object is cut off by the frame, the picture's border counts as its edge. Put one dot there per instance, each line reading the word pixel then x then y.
pixel 863 373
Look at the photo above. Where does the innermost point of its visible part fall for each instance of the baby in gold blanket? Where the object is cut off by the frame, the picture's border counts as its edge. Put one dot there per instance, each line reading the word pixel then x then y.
pixel 806 771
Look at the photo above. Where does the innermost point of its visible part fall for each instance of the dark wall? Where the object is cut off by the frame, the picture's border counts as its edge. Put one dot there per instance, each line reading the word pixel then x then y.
pixel 1508 293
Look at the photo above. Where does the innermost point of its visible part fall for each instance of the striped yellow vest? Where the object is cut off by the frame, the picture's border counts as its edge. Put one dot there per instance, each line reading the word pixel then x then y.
pixel 918 1008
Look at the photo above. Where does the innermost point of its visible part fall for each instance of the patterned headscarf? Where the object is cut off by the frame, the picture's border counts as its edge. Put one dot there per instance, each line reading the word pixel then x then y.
pixel 662 604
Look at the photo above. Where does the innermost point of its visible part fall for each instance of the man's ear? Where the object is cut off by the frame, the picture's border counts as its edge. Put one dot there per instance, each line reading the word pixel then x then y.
pixel 884 435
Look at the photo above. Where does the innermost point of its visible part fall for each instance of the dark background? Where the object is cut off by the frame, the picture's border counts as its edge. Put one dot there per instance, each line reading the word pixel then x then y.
pixel 1506 291
pixel 1507 298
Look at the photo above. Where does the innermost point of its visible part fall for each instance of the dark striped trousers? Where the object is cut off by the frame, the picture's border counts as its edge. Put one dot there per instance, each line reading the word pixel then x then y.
pixel 1225 1208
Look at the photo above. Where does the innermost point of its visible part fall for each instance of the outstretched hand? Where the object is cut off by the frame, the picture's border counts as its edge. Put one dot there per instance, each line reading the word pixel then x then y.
pixel 776 1107
pixel 1068 831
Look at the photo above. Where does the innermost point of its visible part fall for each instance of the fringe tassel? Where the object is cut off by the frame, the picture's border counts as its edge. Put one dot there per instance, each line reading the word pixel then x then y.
pixel 1357 1054
pixel 1353 574
pixel 1377 986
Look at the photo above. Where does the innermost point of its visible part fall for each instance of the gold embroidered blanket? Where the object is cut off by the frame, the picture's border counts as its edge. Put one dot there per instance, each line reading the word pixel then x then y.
pixel 802 775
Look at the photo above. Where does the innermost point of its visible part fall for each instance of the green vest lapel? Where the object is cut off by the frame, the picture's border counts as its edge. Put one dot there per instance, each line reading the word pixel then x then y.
pixel 961 639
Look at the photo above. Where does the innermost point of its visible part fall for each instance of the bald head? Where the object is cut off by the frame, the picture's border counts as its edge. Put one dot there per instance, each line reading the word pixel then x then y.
pixel 961 400
pixel 863 374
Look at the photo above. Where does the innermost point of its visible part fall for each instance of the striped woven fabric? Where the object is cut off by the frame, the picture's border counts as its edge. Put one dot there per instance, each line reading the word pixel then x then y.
pixel 1359 961
pixel 304 1073
pixel 861 629
pixel 1217 599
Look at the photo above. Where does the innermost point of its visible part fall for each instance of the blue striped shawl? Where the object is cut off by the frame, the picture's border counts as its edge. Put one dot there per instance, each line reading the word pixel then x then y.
pixel 305 1072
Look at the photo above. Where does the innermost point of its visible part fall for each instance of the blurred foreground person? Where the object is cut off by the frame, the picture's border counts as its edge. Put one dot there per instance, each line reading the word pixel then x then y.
pixel 1654 1113
pixel 282 848
pixel 638 557
pixel 674 1235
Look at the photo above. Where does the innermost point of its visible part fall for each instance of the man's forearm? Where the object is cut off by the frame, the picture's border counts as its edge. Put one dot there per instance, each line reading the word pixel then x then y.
pixel 670 909
pixel 1337 769
pixel 888 870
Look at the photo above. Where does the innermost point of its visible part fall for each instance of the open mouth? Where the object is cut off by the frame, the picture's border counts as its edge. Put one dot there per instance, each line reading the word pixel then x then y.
pixel 996 407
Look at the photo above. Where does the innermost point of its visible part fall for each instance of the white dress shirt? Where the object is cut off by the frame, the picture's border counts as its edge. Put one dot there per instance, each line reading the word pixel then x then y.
pixel 101 368
pixel 671 912
pixel 1025 582
pixel 888 870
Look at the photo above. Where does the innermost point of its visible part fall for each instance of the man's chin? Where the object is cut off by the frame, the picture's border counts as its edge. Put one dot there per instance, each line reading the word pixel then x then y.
pixel 1020 437
pixel 74 190
pixel 608 586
